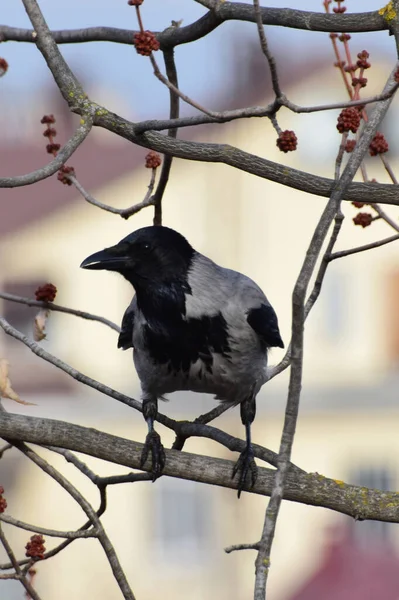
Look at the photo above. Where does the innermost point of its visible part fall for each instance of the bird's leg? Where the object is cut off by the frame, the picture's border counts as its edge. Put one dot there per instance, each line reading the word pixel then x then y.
pixel 246 463
pixel 152 441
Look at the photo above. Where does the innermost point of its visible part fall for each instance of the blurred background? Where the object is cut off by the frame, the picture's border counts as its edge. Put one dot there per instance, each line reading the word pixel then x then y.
pixel 170 536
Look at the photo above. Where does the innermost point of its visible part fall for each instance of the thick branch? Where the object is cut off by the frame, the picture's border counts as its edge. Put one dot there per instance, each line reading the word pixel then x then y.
pixel 227 11
pixel 308 488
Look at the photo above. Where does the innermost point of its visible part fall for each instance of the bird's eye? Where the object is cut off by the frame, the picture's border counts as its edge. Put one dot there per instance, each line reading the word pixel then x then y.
pixel 146 247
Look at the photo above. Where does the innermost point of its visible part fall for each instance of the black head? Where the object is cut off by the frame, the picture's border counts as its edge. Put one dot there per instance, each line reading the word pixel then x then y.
pixel 149 255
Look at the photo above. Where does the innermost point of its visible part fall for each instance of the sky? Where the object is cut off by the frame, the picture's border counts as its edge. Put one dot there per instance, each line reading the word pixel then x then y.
pixel 119 78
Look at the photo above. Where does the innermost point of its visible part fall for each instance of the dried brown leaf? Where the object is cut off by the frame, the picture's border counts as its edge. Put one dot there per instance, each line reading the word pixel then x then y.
pixel 6 390
pixel 39 328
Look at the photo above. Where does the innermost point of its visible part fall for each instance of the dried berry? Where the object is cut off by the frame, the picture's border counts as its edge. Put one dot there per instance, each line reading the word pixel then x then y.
pixel 135 2
pixel 3 502
pixel 62 175
pixel 287 141
pixel 362 61
pixel 348 120
pixel 378 144
pixel 46 292
pixel 50 132
pixel 363 219
pixel 35 548
pixel 3 66
pixel 145 42
pixel 361 81
pixel 53 148
pixel 344 37
pixel 339 9
pixel 350 146
pixel 152 160
pixel 47 119
pixel 358 204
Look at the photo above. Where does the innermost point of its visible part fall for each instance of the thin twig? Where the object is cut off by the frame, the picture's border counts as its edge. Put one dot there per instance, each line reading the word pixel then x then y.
pixel 236 547
pixel 158 74
pixel 388 169
pixel 174 108
pixel 58 308
pixel 4 449
pixel 370 246
pixel 262 562
pixel 86 507
pixel 63 155
pixel 383 215
pixel 73 535
pixel 265 49
pixel 125 213
pixel 19 573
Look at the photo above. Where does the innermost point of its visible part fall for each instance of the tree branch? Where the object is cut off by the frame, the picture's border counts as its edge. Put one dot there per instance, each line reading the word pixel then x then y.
pixel 63 155
pixel 58 308
pixel 306 488
pixel 298 319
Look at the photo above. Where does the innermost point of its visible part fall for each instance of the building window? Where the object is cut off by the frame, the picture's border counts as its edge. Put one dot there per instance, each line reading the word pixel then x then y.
pixel 333 304
pixel 392 317
pixel 182 522
pixel 367 532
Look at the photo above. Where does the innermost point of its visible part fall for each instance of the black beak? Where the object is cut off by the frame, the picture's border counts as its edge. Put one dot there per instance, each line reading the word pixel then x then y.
pixel 109 259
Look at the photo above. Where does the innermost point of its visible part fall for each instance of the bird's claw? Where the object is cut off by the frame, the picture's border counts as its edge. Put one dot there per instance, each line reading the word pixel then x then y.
pixel 153 443
pixel 245 465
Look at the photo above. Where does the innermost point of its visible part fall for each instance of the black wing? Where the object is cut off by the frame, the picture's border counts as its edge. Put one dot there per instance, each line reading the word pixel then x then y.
pixel 125 340
pixel 263 320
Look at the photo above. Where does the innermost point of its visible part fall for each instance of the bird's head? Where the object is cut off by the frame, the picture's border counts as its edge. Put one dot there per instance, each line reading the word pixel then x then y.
pixel 152 254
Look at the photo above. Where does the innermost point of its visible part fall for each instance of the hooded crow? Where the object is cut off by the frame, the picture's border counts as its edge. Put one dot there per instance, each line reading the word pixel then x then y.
pixel 193 325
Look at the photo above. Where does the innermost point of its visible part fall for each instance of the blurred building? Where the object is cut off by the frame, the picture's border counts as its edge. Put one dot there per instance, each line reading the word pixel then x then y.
pixel 171 535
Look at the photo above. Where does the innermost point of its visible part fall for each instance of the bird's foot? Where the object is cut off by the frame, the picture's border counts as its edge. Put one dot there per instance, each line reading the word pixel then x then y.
pixel 153 444
pixel 245 466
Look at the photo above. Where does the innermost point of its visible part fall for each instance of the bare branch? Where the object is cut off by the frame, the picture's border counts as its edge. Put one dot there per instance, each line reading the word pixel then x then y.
pixel 73 535
pixel 265 49
pixel 63 155
pixel 88 509
pixel 377 244
pixel 236 547
pixel 298 318
pixel 251 112
pixel 228 11
pixel 125 213
pixel 58 308
pixel 18 571
pixel 307 488
pixel 174 108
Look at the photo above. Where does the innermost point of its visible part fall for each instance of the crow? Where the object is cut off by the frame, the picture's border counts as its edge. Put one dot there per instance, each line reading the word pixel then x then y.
pixel 193 325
